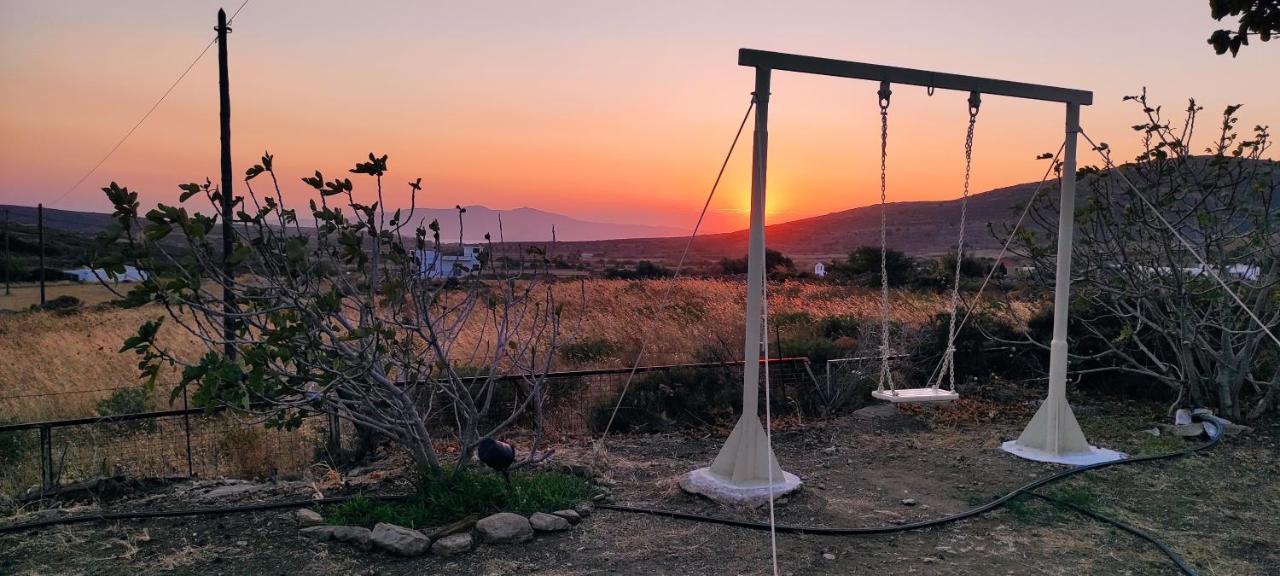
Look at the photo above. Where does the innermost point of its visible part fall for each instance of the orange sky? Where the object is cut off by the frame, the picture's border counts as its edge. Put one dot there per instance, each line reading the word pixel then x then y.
pixel 600 110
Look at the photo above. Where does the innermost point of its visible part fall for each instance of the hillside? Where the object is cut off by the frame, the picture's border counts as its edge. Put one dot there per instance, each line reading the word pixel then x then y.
pixel 917 228
pixel 518 225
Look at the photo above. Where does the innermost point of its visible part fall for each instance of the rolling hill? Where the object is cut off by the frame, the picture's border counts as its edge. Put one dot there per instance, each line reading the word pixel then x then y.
pixel 917 228
pixel 519 225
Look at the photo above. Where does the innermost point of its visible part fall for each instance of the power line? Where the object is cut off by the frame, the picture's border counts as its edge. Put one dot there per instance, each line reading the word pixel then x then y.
pixel 144 117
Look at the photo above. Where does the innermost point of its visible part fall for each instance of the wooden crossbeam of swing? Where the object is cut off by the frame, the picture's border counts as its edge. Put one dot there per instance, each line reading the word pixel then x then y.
pixel 895 75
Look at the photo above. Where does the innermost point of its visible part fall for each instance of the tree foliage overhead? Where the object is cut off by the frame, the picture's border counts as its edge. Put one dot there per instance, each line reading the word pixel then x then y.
pixel 1260 18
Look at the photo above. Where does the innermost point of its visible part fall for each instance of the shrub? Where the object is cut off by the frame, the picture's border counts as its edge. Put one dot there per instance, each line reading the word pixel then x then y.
pixel 977 355
pixel 13 445
pixel 62 303
pixel 834 327
pixel 862 267
pixel 441 498
pixel 248 451
pixel 588 350
pixel 674 398
pixel 126 401
pixel 644 269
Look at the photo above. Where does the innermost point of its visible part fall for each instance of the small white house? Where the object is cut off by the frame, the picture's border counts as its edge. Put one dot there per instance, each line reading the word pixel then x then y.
pixel 85 274
pixel 820 270
pixel 433 264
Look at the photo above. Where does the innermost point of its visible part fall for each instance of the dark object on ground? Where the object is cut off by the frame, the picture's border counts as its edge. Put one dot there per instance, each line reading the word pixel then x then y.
pixel 497 455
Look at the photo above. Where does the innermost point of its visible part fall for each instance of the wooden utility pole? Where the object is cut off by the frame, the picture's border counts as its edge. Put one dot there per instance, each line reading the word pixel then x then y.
pixel 40 232
pixel 6 253
pixel 228 203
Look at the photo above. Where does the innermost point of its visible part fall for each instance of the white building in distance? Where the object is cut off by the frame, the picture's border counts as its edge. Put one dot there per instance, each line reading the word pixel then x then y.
pixel 432 264
pixel 85 274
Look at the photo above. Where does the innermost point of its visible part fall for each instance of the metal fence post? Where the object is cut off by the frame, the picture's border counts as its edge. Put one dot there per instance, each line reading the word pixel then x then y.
pixel 46 459
pixel 335 435
pixel 186 424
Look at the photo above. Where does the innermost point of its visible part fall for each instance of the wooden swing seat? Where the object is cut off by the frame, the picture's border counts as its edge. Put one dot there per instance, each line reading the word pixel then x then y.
pixel 916 395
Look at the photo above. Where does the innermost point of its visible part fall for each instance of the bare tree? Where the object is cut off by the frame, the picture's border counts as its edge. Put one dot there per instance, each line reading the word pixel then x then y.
pixel 1142 303
pixel 349 315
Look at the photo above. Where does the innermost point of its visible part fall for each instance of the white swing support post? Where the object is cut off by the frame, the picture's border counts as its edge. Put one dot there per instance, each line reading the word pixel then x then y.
pixel 1053 435
pixel 742 469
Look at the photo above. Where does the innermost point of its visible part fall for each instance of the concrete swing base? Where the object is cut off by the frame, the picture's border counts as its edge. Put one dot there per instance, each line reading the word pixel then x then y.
pixel 706 483
pixel 1054 436
pixel 1093 455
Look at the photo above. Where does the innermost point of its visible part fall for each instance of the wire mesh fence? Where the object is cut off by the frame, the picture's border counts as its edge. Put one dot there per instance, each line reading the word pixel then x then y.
pixel 38 457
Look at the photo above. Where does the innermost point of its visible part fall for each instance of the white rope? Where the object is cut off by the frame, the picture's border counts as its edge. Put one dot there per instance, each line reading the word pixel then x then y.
pixel 768 415
pixel 885 375
pixel 1106 157
pixel 948 356
pixel 675 276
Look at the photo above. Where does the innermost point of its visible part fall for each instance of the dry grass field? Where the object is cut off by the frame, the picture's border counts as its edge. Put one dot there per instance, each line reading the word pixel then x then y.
pixel 61 364
pixel 24 296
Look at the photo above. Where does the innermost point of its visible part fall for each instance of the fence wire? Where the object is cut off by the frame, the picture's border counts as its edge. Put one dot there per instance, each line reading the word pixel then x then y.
pixel 39 457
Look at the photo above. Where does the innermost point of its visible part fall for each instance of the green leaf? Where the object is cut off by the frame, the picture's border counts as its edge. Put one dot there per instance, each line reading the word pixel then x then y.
pixel 188 190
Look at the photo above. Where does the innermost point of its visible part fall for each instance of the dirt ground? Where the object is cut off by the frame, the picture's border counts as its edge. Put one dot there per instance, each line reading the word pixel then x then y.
pixel 1219 508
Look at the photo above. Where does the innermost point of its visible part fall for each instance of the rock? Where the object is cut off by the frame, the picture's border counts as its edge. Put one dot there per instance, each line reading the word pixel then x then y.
pixel 1152 431
pixel 543 522
pixel 504 528
pixel 399 540
pixel 1182 417
pixel 570 515
pixel 463 525
pixel 828 556
pixel 584 508
pixel 453 545
pixel 350 534
pixel 829 450
pixel 1191 430
pixel 307 517
pixel 908 501
pixel 229 491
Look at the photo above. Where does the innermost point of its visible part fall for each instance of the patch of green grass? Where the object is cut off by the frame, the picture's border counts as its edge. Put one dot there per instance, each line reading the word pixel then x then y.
pixel 1127 432
pixel 445 498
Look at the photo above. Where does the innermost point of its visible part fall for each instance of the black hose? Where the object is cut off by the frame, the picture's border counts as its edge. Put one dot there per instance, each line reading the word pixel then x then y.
pixel 142 515
pixel 1174 556
pixel 1219 430
pixel 837 531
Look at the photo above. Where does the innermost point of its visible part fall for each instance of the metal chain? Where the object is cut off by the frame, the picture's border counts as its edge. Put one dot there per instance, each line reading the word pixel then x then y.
pixel 885 375
pixel 948 359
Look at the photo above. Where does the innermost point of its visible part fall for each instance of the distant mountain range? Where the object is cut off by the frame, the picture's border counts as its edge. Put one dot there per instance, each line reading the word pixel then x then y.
pixel 532 225
pixel 917 228
pixel 519 225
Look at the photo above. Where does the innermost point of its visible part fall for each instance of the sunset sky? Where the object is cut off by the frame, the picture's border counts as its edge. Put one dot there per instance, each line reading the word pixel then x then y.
pixel 609 111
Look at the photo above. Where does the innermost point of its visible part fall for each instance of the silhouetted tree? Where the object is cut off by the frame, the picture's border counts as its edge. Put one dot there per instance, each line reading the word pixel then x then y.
pixel 862 267
pixel 778 265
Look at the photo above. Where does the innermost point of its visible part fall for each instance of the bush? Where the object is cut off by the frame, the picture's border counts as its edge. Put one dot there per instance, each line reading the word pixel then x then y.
pixel 977 355
pixel 644 269
pixel 589 350
pixel 249 453
pixel 13 445
pixel 675 398
pixel 126 401
pixel 64 303
pixel 862 267
pixel 835 327
pixel 443 498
